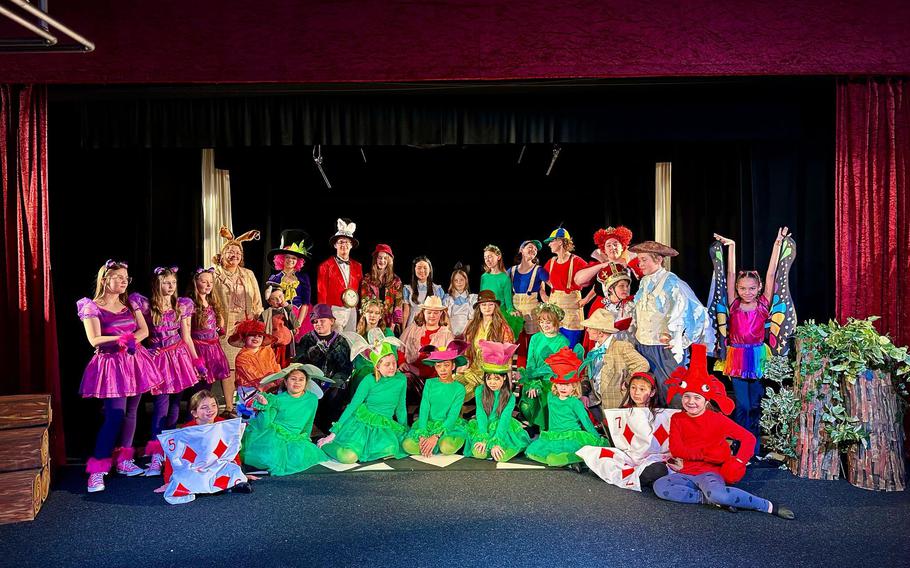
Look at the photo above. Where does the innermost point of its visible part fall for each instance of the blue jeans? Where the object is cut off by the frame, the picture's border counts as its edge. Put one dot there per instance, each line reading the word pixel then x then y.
pixel 747 413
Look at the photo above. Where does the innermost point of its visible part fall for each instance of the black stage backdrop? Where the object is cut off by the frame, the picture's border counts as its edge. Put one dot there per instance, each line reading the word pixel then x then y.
pixel 121 190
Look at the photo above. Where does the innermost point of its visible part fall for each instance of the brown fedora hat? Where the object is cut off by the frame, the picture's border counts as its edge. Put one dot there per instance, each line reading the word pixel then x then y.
pixel 653 247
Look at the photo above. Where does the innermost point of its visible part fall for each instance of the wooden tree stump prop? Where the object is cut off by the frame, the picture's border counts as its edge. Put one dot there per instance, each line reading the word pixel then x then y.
pixel 880 465
pixel 817 457
pixel 25 473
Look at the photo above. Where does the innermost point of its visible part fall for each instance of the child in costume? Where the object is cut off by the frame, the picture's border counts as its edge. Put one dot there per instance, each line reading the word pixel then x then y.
pixel 430 327
pixel 173 353
pixel 488 324
pixel 459 300
pixel 615 283
pixel 668 316
pixel 278 438
pixel 366 431
pixel 497 280
pixel 493 433
pixel 568 426
pixel 527 277
pixel 382 285
pixel 120 371
pixel 207 325
pixel 281 323
pixel 565 293
pixel 338 279
pixel 325 348
pixel 746 351
pixel 204 409
pixel 703 464
pixel 612 248
pixel 288 260
pixel 439 427
pixel 421 286
pixel 371 318
pixel 640 434
pixel 610 362
pixel 547 341
pixel 255 361
pixel 239 296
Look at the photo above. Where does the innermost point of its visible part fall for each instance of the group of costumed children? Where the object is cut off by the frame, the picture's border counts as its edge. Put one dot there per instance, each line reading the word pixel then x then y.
pixel 298 363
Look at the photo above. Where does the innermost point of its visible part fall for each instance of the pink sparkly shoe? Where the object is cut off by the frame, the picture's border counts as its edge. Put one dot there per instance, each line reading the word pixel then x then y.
pixel 96 482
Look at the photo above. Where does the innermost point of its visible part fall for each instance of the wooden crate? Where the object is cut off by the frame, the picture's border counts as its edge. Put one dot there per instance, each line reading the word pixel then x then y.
pixel 25 410
pixel 22 493
pixel 24 448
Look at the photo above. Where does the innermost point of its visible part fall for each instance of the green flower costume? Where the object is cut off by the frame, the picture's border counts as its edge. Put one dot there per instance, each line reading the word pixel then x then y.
pixel 569 430
pixel 440 414
pixel 536 375
pixel 278 438
pixel 501 285
pixel 366 431
pixel 363 366
pixel 495 430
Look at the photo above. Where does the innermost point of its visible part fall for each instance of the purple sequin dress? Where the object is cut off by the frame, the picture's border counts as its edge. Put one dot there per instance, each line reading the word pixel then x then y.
pixel 209 348
pixel 170 354
pixel 113 372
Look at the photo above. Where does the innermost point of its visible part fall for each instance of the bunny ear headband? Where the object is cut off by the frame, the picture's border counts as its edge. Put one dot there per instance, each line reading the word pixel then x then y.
pixel 230 239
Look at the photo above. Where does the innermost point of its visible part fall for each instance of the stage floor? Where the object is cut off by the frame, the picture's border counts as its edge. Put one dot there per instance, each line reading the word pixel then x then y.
pixel 466 514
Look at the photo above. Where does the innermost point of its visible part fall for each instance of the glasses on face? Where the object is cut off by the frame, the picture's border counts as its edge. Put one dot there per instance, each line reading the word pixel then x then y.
pixel 121 278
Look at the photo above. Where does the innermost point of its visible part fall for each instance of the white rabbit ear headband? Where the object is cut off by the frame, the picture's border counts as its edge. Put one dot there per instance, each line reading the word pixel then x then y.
pixel 345 229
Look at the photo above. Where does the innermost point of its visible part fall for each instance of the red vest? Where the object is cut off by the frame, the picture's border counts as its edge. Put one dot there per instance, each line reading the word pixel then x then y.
pixel 330 282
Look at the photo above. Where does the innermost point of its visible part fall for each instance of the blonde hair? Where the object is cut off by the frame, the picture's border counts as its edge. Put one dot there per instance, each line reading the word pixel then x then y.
pixel 102 277
pixel 383 277
pixel 376 372
pixel 495 250
pixel 368 304
pixel 155 309
pixel 419 319
pixel 211 298
pixel 576 389
pixel 467 285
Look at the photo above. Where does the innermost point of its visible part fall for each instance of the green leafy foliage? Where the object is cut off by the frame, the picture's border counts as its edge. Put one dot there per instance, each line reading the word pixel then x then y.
pixel 780 409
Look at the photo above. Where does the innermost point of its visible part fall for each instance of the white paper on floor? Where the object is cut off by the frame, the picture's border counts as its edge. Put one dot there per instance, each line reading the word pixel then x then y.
pixel 438 460
pixel 376 467
pixel 509 465
pixel 338 466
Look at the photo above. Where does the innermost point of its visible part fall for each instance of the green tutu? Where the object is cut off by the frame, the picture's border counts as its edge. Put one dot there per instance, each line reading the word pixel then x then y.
pixel 436 428
pixel 278 450
pixel 558 448
pixel 369 435
pixel 516 323
pixel 514 440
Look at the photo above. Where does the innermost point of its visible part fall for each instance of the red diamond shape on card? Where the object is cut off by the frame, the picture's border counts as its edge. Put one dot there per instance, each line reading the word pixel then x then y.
pixel 181 491
pixel 221 482
pixel 628 434
pixel 661 435
pixel 627 472
pixel 606 453
pixel 189 455
pixel 220 448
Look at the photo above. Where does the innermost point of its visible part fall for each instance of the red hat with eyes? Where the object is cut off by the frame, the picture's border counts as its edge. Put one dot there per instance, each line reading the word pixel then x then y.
pixel 696 379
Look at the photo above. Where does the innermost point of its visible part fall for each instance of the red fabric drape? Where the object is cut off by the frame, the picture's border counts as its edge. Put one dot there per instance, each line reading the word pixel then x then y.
pixel 872 223
pixel 27 318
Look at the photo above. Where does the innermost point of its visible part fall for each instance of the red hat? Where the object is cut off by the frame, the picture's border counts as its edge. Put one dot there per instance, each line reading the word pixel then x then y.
pixel 250 327
pixel 383 248
pixel 564 364
pixel 620 233
pixel 696 379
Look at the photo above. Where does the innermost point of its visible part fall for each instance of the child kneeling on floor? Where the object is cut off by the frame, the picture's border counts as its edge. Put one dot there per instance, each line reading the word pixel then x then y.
pixel 278 437
pixel 703 463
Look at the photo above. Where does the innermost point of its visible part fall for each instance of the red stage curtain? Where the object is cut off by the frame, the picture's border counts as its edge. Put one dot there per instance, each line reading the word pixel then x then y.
pixel 28 350
pixel 872 223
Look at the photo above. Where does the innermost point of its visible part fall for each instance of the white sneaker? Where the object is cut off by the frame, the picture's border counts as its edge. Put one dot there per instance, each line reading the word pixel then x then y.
pixel 129 468
pixel 96 482
pixel 155 465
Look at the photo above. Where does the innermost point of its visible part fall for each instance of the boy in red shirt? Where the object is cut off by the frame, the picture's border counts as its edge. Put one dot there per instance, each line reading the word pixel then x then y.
pixel 703 463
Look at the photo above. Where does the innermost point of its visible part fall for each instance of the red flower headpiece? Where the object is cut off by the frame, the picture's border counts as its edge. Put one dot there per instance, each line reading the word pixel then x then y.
pixel 620 233
pixel 696 379
pixel 564 364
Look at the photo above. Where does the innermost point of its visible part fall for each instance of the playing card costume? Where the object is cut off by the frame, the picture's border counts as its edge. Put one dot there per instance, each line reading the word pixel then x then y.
pixel 493 424
pixel 440 405
pixel 338 280
pixel 202 459
pixel 278 437
pixel 366 430
pixel 665 306
pixel 708 464
pixel 568 426
pixel 640 438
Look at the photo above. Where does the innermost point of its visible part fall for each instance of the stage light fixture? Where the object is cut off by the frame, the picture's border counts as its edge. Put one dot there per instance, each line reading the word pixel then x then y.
pixel 556 150
pixel 42 27
pixel 317 159
pixel 522 154
pixel 363 155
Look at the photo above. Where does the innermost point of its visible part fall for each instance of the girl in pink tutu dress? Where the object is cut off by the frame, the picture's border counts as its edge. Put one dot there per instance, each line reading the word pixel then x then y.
pixel 207 326
pixel 173 354
pixel 120 371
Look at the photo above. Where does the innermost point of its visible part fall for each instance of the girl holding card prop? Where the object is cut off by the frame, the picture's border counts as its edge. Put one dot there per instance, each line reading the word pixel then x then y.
pixel 278 438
